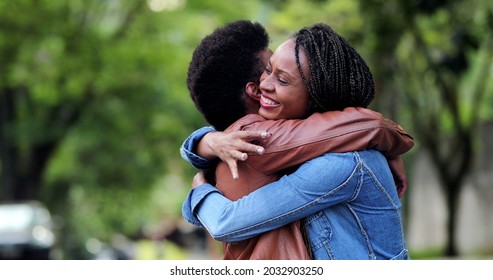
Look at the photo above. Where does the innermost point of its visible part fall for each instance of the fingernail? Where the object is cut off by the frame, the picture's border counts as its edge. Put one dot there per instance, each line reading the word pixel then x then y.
pixel 264 134
pixel 243 156
pixel 260 151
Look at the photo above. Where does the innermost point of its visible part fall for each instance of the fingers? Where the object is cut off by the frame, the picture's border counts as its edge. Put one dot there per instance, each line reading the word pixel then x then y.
pixel 401 189
pixel 252 135
pixel 235 146
pixel 234 168
pixel 250 148
pixel 198 179
pixel 237 141
pixel 242 141
pixel 247 137
pixel 235 155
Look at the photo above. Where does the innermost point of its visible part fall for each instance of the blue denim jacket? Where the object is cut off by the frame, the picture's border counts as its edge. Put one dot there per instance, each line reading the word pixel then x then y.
pixel 187 149
pixel 349 202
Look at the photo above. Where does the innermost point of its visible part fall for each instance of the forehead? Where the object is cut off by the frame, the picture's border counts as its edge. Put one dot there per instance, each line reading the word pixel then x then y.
pixel 285 50
pixel 284 56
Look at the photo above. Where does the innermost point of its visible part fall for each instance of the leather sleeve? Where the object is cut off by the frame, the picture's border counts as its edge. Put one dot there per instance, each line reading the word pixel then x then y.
pixel 296 141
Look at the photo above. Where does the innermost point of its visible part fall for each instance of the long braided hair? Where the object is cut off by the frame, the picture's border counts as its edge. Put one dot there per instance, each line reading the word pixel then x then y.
pixel 339 77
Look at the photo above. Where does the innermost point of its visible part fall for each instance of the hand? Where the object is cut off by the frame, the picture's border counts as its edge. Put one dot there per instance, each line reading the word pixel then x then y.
pixel 397 166
pixel 199 179
pixel 232 146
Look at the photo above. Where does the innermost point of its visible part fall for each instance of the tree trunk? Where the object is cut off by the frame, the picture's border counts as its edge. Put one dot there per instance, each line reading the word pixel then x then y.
pixel 452 206
pixel 21 173
pixel 7 152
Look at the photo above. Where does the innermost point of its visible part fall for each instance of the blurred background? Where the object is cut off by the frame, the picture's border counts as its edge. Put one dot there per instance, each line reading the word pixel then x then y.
pixel 94 107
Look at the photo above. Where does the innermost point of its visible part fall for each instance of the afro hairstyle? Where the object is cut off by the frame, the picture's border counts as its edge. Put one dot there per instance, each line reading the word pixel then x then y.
pixel 222 64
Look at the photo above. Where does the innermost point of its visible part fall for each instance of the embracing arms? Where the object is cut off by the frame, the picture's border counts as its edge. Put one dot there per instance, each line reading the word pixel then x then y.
pixel 292 142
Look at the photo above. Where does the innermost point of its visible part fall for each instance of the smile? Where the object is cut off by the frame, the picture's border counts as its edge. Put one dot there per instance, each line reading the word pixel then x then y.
pixel 267 101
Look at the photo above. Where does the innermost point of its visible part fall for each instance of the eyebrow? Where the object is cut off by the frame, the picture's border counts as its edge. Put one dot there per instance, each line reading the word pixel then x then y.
pixel 280 70
pixel 286 73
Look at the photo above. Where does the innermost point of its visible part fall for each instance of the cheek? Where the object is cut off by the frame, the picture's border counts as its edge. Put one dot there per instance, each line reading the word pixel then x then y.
pixel 301 108
pixel 298 104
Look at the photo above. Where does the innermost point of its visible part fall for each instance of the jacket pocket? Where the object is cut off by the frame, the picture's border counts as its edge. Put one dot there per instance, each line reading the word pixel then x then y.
pixel 319 230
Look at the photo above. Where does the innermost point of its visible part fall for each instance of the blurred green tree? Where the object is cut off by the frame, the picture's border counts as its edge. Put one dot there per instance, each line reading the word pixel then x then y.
pixel 94 106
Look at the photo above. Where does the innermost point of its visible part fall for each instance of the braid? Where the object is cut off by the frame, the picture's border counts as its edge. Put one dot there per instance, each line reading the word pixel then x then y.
pixel 313 85
pixel 309 85
pixel 339 77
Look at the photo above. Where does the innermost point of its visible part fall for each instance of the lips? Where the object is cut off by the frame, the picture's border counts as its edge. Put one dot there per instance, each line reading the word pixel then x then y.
pixel 267 102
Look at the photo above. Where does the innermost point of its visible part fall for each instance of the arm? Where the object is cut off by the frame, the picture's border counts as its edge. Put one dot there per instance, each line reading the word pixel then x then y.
pixel 291 198
pixel 189 147
pixel 293 142
pixel 296 141
pixel 205 145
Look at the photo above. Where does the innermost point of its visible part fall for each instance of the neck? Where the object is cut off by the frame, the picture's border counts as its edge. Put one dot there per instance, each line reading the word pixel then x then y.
pixel 252 106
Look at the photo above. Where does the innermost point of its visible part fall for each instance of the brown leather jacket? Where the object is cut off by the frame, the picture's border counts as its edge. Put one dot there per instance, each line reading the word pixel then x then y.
pixel 294 142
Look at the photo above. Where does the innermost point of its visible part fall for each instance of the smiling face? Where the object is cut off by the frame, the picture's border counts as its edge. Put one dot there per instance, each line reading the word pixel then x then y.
pixel 283 93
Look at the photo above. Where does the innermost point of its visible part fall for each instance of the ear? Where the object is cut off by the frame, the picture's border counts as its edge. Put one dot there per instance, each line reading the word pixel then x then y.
pixel 252 90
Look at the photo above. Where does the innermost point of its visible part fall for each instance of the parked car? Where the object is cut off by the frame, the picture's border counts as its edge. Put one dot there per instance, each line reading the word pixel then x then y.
pixel 26 231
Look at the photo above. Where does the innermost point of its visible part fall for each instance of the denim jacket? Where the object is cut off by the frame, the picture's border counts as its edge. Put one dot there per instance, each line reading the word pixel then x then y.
pixel 187 149
pixel 351 208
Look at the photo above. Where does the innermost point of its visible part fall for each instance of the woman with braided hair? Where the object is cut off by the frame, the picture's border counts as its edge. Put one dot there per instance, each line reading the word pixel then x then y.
pixel 336 78
pixel 347 202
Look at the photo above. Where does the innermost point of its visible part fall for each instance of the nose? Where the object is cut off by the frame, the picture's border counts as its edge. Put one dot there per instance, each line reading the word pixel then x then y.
pixel 266 84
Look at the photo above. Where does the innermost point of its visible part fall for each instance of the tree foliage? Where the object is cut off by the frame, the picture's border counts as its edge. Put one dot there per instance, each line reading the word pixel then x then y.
pixel 94 107
pixel 92 115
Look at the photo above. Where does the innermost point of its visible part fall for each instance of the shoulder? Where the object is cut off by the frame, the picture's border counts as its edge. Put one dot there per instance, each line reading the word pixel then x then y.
pixel 338 166
pixel 330 173
pixel 245 122
pixel 338 160
pixel 374 160
pixel 371 156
